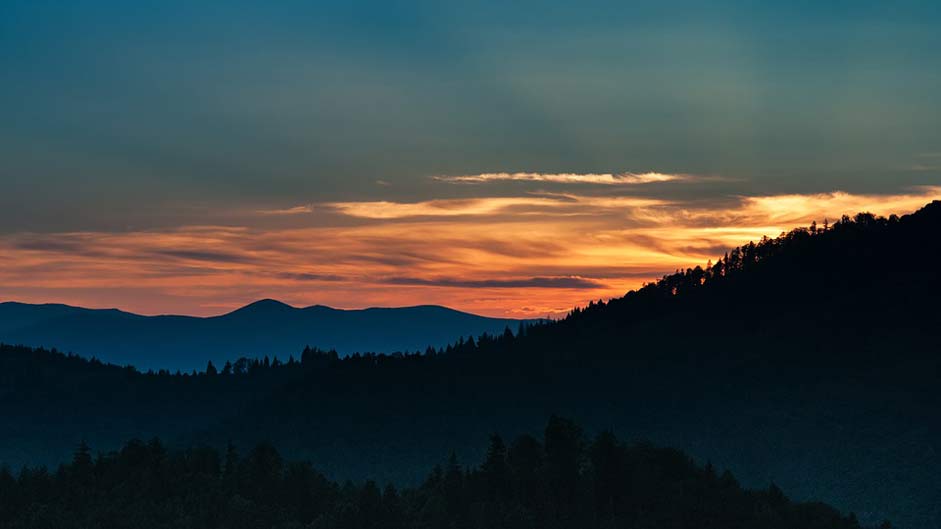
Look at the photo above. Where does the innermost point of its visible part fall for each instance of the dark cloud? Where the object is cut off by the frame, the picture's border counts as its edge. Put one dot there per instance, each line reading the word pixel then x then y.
pixel 60 244
pixel 48 245
pixel 532 282
pixel 206 255
pixel 306 276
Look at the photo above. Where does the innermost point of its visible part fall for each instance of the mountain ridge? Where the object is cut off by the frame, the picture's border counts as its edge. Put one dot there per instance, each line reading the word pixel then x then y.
pixel 260 303
pixel 265 327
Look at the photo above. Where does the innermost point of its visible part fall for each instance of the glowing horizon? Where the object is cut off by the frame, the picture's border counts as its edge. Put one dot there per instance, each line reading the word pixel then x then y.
pixel 527 256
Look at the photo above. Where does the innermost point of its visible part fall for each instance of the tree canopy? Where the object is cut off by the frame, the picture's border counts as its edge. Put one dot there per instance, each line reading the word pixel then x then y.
pixel 562 481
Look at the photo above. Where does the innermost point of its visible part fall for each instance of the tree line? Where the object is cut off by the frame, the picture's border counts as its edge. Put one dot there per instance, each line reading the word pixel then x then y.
pixel 559 481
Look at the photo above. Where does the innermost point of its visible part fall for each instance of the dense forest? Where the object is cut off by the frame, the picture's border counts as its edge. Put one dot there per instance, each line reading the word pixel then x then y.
pixel 810 360
pixel 561 482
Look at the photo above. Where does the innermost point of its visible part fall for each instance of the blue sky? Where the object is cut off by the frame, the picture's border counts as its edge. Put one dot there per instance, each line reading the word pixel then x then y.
pixel 169 102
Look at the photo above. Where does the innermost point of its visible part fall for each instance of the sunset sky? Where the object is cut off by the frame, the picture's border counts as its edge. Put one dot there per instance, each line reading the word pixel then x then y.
pixel 506 158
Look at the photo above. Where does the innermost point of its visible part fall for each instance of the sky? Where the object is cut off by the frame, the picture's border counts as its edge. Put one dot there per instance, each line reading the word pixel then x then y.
pixel 508 158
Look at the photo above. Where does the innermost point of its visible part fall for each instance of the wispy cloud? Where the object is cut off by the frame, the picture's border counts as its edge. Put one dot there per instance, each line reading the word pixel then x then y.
pixel 797 208
pixel 437 208
pixel 296 210
pixel 567 178
pixel 558 203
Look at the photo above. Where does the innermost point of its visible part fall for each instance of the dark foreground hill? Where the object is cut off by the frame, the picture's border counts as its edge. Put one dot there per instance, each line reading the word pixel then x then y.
pixel 560 482
pixel 810 360
pixel 263 328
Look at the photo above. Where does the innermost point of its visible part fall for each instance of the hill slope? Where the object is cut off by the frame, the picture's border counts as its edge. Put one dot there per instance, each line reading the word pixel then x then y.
pixel 266 327
pixel 810 360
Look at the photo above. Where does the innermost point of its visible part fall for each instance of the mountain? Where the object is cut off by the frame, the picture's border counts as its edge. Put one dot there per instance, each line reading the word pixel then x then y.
pixel 266 327
pixel 810 360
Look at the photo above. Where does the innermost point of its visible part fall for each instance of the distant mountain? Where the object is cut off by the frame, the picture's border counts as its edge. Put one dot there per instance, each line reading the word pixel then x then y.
pixel 266 327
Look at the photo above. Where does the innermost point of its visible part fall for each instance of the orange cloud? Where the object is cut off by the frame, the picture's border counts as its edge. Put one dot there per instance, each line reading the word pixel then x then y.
pixel 547 203
pixel 525 256
pixel 437 208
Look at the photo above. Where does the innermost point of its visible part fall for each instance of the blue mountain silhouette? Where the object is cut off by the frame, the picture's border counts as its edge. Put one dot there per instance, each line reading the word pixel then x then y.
pixel 265 327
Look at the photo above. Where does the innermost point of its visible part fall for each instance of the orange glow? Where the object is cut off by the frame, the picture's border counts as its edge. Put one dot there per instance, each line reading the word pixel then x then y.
pixel 526 256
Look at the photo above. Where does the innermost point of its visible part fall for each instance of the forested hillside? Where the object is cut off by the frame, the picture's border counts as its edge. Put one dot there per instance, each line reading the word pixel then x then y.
pixel 562 481
pixel 810 360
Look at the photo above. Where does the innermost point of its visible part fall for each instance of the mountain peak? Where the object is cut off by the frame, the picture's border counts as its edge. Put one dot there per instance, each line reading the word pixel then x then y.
pixel 266 305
